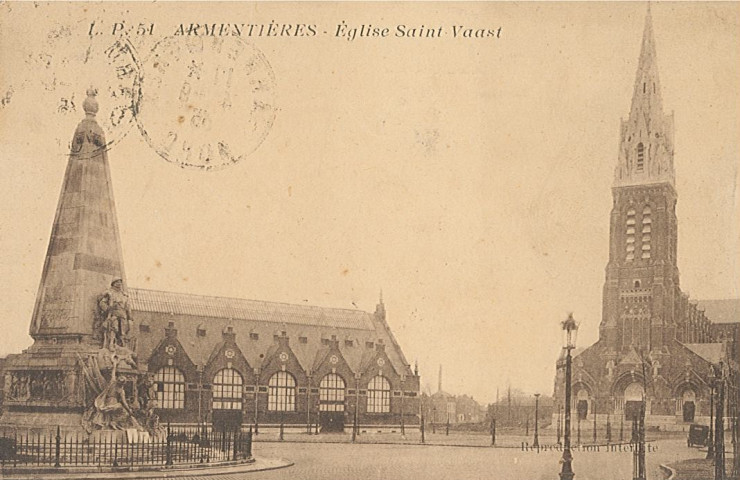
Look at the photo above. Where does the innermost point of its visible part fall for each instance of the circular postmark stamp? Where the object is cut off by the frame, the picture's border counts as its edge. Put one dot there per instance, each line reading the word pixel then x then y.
pixel 55 76
pixel 207 102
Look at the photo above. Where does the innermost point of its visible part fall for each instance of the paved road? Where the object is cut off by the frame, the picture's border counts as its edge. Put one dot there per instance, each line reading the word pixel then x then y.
pixel 390 462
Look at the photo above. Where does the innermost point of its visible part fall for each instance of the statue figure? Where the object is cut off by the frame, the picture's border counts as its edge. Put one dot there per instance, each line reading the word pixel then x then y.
pixel 111 410
pixel 148 402
pixel 114 316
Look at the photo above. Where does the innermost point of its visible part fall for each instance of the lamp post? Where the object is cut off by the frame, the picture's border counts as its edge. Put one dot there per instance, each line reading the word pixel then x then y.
pixel 355 421
pixel 434 418
pixel 719 425
pixel 710 448
pixel 536 442
pixel 570 330
pixel 403 426
pixel 256 400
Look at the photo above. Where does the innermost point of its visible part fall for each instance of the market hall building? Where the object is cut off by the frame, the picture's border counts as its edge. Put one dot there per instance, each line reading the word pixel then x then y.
pixel 217 361
pixel 654 342
pixel 227 361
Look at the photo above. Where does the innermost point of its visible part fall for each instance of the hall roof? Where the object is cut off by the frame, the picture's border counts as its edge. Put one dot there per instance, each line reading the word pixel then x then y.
pixel 201 320
pixel 241 309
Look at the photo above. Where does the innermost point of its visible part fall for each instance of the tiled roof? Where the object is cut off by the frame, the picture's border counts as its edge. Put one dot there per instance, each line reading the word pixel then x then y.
pixel 241 309
pixel 711 352
pixel 721 311
pixel 256 324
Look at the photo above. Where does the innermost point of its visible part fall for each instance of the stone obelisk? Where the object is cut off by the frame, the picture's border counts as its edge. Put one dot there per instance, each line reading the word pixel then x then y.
pixel 45 385
pixel 84 254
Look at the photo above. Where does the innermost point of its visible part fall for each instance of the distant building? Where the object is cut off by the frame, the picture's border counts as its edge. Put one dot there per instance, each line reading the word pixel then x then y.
pixel 445 407
pixel 654 342
pixel 518 410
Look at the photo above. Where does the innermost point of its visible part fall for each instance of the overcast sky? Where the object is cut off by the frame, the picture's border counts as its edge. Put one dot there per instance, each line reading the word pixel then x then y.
pixel 470 179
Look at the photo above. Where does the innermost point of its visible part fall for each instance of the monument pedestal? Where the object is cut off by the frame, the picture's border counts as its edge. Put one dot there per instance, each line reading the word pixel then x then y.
pixel 56 384
pixel 81 325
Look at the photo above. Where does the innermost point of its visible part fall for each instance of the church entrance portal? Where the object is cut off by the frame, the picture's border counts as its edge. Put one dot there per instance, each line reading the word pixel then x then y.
pixel 633 397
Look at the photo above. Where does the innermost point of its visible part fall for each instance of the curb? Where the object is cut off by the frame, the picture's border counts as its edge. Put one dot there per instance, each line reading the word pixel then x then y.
pixel 174 473
pixel 669 471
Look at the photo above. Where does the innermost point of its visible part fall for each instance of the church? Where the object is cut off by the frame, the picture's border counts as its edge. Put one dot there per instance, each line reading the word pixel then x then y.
pixel 214 361
pixel 654 342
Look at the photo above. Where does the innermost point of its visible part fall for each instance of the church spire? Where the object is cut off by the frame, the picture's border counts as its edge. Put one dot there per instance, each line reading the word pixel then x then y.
pixel 646 144
pixel 84 254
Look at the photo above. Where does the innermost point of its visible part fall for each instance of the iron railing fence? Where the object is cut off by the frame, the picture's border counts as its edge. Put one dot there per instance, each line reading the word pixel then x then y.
pixel 179 446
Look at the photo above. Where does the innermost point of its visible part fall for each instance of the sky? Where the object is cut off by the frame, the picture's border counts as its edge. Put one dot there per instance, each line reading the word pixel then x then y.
pixel 468 178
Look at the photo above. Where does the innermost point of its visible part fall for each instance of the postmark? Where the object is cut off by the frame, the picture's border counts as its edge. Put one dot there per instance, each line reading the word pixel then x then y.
pixel 207 103
pixel 58 74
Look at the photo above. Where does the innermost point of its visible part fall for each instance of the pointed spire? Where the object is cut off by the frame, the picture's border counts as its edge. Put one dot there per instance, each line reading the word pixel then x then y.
pixel 380 307
pixel 647 86
pixel 439 380
pixel 646 147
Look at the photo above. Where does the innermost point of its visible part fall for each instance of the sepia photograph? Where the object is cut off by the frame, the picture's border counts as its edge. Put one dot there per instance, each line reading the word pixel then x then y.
pixel 369 240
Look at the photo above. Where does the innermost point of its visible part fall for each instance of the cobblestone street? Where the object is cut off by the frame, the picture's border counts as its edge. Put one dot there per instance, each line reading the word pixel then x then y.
pixel 389 462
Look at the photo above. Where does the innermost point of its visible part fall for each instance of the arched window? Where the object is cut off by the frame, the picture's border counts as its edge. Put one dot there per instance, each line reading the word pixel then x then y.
pixel 647 222
pixel 640 156
pixel 227 390
pixel 281 396
pixel 379 395
pixel 170 388
pixel 331 393
pixel 630 238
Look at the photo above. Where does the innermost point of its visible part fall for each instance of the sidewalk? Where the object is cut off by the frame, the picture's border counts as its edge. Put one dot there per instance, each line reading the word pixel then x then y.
pixel 697 469
pixel 259 465
pixel 413 437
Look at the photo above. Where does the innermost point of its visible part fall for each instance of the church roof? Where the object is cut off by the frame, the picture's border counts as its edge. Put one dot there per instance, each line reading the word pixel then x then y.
pixel 726 310
pixel 711 352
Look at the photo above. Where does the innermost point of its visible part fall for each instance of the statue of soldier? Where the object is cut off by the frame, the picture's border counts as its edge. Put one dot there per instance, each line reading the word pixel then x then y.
pixel 115 316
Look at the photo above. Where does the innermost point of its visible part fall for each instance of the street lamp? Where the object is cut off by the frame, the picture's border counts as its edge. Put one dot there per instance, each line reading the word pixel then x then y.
pixel 536 442
pixel 570 330
pixel 710 448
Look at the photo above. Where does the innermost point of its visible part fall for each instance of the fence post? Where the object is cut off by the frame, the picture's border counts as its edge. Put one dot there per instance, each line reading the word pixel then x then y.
pixel 237 439
pixel 58 440
pixel 115 452
pixel 168 448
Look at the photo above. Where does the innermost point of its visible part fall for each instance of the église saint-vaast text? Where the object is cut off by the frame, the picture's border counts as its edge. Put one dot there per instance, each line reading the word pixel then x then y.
pixel 342 30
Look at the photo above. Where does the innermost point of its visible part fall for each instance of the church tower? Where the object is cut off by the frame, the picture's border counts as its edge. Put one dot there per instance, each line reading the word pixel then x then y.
pixel 642 284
